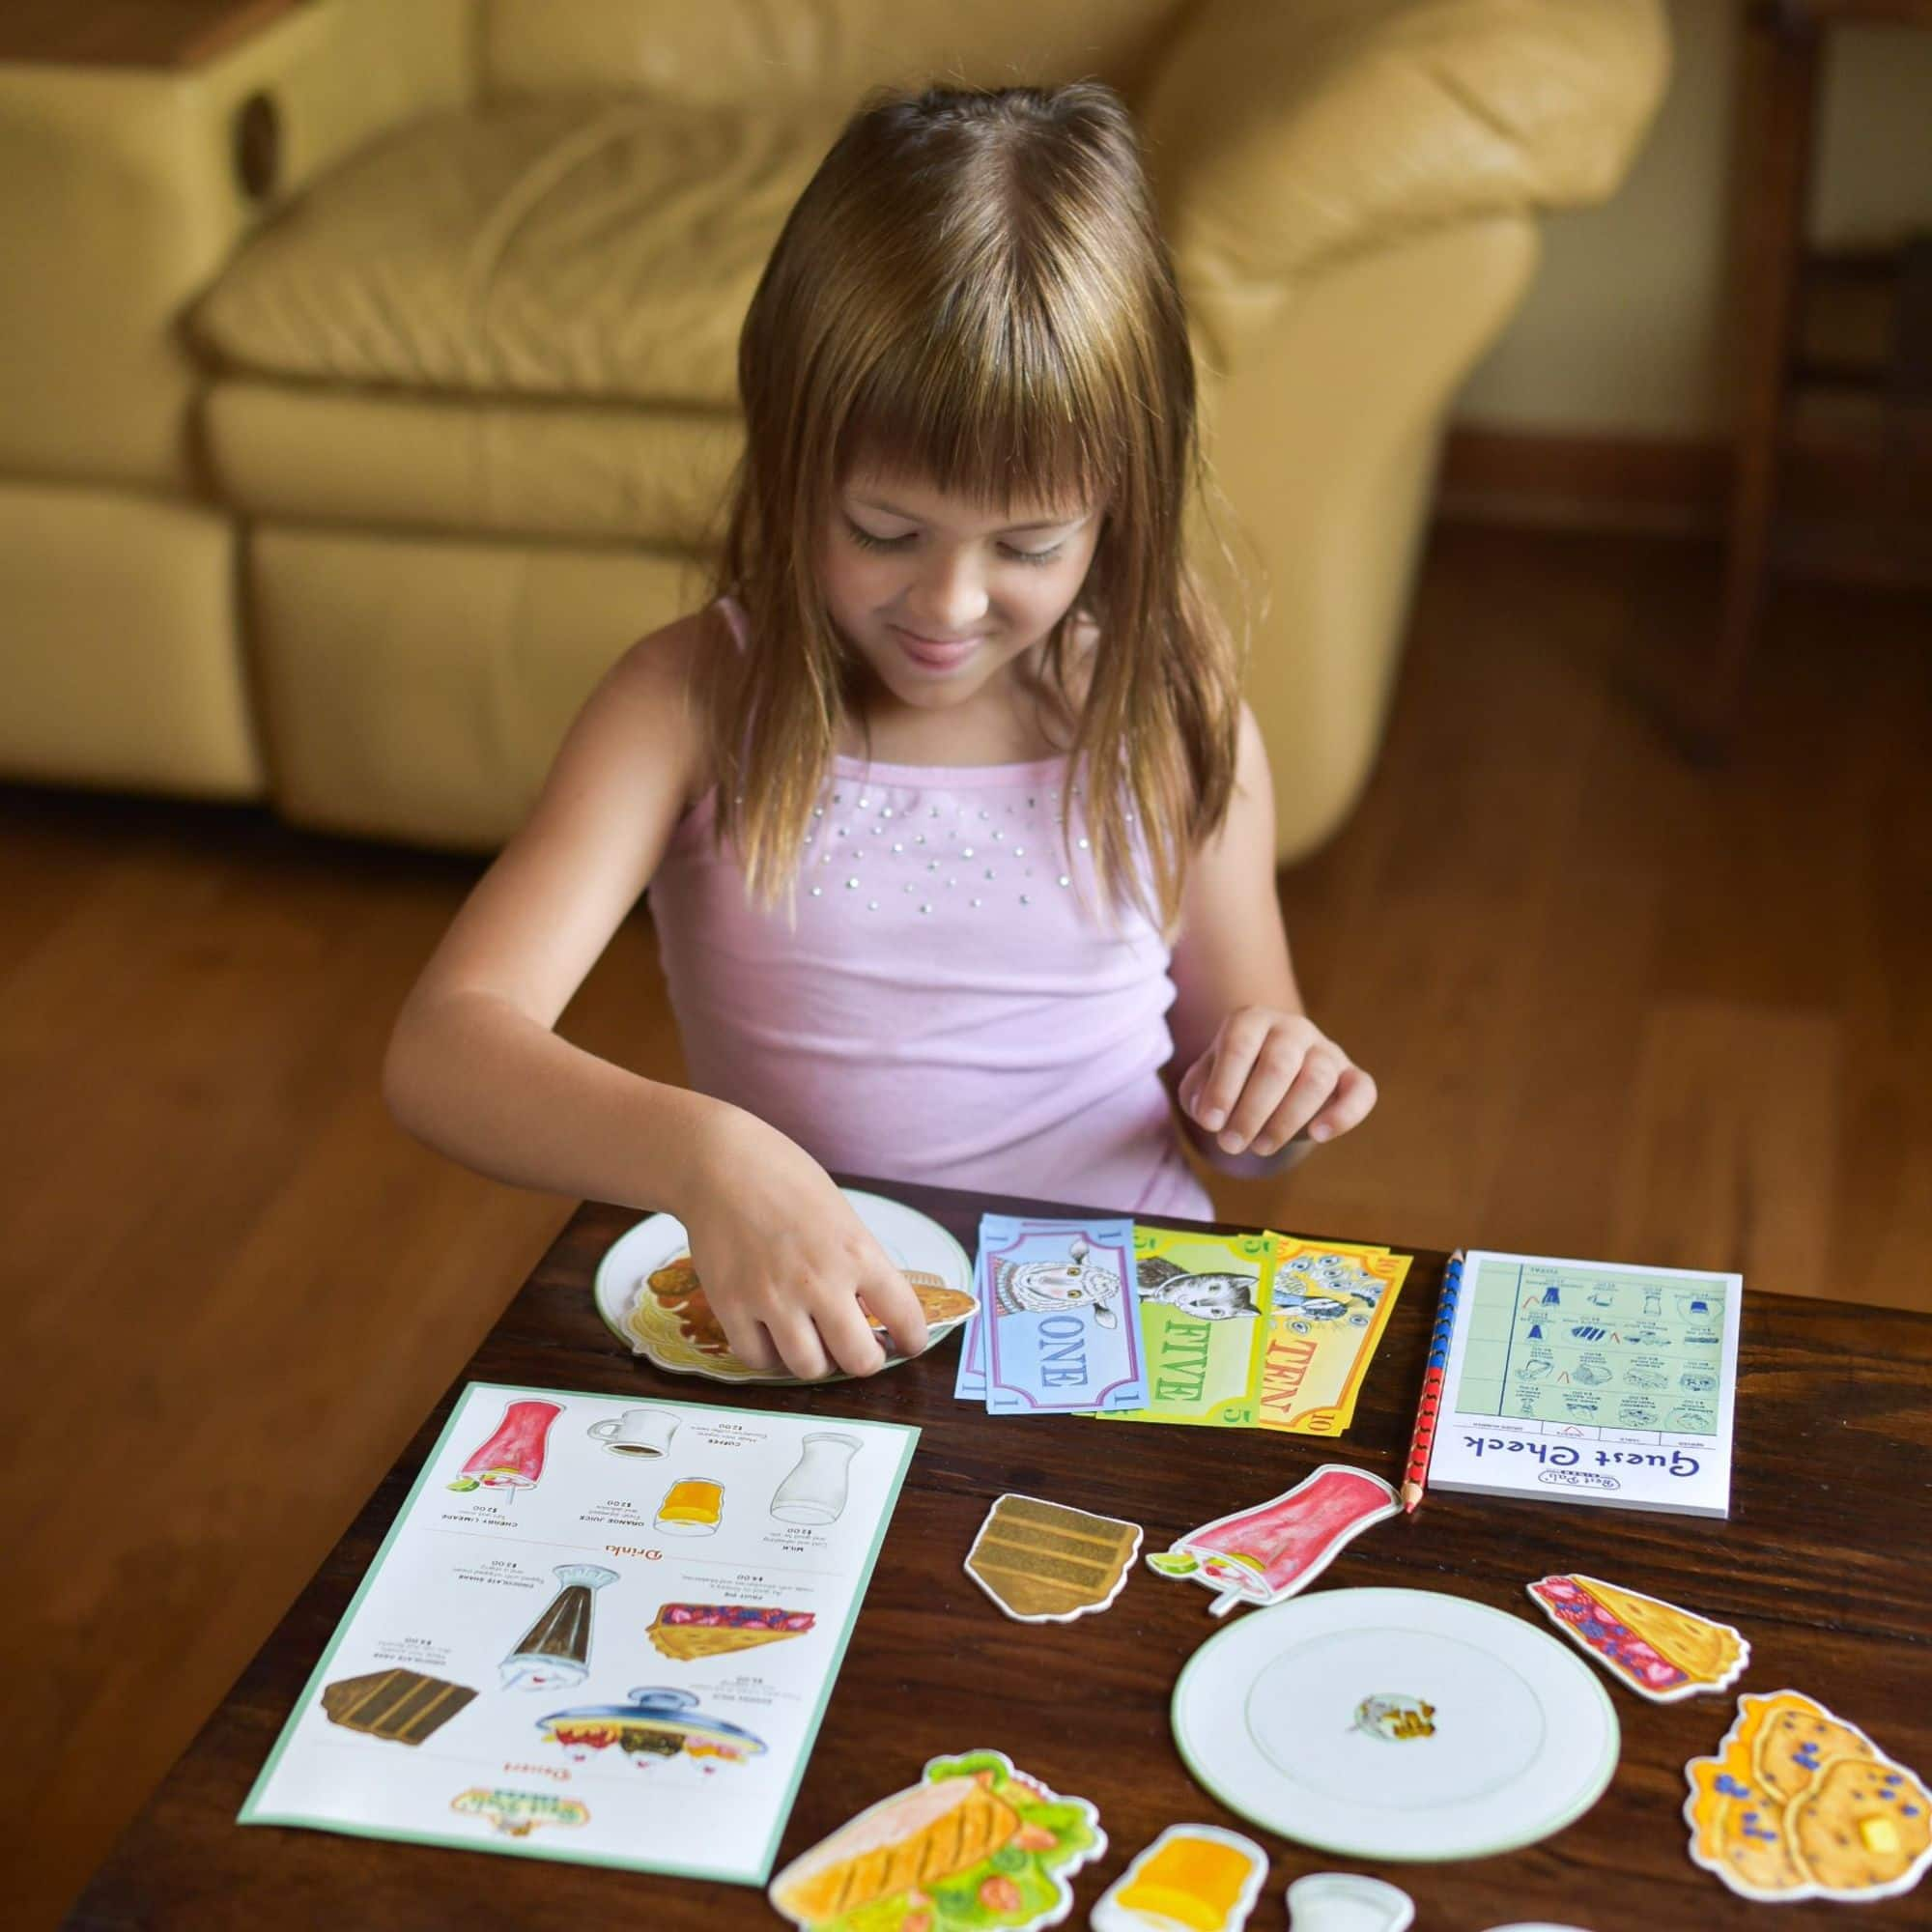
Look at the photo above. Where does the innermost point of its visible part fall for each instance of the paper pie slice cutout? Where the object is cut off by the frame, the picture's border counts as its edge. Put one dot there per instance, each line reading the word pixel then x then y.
pixel 1044 1563
pixel 974 1844
pixel 690 1631
pixel 1659 1649
pixel 403 1706
pixel 1798 1804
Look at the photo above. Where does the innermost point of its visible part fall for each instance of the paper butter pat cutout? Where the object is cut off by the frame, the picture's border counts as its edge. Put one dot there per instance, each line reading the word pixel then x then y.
pixel 975 1843
pixel 1660 1651
pixel 1262 1554
pixel 1800 1805
pixel 1193 1878
pixel 1044 1563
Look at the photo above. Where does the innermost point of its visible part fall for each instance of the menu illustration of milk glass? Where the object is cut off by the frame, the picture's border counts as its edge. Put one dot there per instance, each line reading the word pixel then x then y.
pixel 599 1631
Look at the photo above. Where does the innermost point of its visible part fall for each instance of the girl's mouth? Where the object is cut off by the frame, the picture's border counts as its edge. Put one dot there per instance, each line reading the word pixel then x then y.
pixel 938 655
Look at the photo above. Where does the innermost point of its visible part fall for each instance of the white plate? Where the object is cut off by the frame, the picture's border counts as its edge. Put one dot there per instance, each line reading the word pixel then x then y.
pixel 1275 1717
pixel 913 1240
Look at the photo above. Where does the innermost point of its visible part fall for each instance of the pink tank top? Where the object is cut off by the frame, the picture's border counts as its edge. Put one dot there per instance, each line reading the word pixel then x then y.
pixel 947 1009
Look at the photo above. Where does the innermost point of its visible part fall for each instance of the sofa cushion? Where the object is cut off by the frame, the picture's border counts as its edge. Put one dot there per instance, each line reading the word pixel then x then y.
pixel 555 249
pixel 477 466
pixel 825 49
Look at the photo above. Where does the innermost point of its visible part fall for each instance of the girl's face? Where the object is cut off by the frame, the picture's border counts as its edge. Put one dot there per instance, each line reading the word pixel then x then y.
pixel 938 596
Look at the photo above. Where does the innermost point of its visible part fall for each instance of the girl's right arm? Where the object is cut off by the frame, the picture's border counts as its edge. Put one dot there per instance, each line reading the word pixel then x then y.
pixel 476 1069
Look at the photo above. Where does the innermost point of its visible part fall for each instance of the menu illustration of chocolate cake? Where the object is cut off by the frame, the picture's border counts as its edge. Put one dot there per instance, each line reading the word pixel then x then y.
pixel 400 1705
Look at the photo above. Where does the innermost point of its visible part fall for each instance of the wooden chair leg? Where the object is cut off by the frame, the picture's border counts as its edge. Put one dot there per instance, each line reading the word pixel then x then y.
pixel 1778 78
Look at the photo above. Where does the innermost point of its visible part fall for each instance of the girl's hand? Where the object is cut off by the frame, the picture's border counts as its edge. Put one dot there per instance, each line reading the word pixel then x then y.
pixel 784 1261
pixel 1269 1076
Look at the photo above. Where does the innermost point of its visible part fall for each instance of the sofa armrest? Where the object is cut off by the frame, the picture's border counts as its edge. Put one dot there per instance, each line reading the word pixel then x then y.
pixel 1283 139
pixel 119 201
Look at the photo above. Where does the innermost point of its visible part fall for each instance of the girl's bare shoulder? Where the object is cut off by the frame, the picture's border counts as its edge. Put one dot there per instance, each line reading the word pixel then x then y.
pixel 656 687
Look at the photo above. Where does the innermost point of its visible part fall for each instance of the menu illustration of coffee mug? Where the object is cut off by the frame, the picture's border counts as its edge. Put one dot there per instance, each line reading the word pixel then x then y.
pixel 637 1431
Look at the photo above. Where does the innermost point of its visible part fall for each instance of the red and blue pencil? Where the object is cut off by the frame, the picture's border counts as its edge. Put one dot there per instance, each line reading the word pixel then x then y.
pixel 1416 1476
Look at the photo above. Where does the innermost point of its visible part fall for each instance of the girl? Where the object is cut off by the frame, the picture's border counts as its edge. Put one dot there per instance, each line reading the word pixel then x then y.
pixel 959 838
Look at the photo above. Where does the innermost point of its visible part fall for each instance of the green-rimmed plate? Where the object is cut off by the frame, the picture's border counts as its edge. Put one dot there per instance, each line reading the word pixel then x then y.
pixel 646 1326
pixel 1396 1724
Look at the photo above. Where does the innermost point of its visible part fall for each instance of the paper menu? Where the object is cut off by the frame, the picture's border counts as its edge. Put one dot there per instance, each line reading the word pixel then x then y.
pixel 1590 1381
pixel 602 1629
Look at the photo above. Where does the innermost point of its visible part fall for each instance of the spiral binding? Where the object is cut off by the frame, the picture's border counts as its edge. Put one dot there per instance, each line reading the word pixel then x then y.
pixel 1429 1407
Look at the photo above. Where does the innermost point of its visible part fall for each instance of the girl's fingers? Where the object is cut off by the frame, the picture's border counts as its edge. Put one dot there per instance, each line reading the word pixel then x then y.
pixel 746 1337
pixel 1231 1056
pixel 1304 1096
pixel 1279 1069
pixel 1347 1107
pixel 798 1344
pixel 848 1337
pixel 890 1297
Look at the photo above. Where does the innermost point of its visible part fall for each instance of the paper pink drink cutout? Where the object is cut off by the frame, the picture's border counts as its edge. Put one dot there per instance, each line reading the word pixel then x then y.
pixel 513 1458
pixel 1264 1554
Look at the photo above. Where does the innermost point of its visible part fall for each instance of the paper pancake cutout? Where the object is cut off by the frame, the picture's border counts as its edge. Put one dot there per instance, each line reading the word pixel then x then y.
pixel 1657 1649
pixel 1800 1805
pixel 1193 1878
pixel 973 1844
pixel 1044 1563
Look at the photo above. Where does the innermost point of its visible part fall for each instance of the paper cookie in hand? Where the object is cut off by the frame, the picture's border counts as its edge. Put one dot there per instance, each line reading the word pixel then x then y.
pixel 1800 1805
pixel 1660 1650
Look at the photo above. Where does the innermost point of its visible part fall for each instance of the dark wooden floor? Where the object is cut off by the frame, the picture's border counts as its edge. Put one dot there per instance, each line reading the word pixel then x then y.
pixel 1617 1005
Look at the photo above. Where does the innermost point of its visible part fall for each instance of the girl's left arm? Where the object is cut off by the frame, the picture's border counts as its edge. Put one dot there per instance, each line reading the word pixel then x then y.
pixel 1257 1081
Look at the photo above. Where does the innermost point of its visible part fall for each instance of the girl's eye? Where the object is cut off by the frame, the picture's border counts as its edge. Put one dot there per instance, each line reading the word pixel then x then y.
pixel 867 541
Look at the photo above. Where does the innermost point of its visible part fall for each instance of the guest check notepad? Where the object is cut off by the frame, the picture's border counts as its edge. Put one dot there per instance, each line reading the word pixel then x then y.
pixel 1590 1382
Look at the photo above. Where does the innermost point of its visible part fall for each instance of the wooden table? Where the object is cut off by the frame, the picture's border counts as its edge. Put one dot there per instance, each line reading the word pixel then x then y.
pixel 1823 1566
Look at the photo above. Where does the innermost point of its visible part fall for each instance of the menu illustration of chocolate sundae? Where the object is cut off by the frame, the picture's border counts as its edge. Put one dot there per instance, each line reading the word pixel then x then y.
pixel 677 1584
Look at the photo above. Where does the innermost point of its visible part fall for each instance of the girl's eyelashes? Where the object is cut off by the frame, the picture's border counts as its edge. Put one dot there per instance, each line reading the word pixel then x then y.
pixel 867 541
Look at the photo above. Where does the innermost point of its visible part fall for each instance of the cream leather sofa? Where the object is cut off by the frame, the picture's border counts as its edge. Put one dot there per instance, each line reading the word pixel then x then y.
pixel 340 494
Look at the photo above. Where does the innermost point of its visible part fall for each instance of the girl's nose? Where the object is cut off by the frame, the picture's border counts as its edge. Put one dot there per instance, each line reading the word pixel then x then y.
pixel 950 600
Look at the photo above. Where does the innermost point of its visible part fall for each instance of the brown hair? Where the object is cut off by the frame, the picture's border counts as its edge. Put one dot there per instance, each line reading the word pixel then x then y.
pixel 973 289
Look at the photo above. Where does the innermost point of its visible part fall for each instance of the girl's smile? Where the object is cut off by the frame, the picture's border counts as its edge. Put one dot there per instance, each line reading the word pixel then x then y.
pixel 939 656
